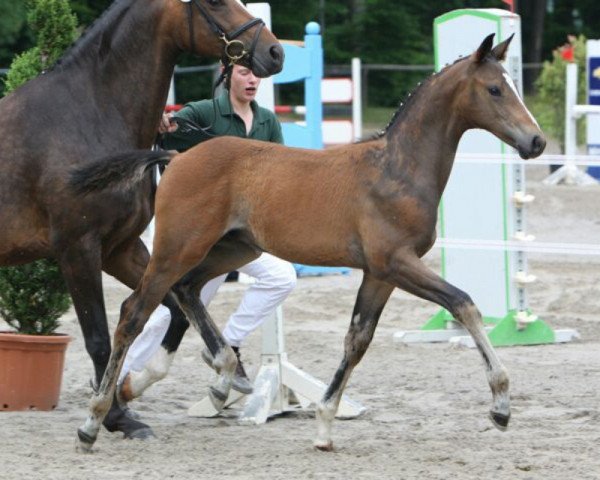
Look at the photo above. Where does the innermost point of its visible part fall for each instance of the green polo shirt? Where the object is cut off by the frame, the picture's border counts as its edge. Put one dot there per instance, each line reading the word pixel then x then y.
pixel 265 125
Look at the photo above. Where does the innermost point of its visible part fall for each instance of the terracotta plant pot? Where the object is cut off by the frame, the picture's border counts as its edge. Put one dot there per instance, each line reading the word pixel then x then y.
pixel 31 368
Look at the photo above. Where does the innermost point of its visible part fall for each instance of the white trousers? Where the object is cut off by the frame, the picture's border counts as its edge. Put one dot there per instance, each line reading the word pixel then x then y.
pixel 275 279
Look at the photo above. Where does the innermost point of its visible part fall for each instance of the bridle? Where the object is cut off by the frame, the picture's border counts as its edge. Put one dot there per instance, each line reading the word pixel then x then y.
pixel 234 50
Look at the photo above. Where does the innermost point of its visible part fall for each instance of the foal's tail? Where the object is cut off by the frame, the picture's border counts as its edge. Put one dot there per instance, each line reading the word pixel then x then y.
pixel 123 171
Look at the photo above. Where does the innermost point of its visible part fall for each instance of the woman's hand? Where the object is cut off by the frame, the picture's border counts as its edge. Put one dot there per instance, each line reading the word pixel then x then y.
pixel 167 124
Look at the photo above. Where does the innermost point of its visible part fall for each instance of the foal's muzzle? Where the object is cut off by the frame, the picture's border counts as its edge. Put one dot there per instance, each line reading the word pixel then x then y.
pixel 532 148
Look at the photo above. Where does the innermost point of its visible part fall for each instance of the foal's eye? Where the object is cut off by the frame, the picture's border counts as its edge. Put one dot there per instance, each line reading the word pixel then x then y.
pixel 214 3
pixel 494 91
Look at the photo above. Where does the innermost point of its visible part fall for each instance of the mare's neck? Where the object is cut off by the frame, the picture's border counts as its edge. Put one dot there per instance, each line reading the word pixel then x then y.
pixel 127 64
pixel 423 140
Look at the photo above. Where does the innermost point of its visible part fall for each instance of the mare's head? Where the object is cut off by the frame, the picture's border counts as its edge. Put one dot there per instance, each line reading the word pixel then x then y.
pixel 224 28
pixel 487 98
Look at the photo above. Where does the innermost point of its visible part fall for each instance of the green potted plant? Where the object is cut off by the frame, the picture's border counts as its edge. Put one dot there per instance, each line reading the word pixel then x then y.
pixel 34 296
pixel 32 299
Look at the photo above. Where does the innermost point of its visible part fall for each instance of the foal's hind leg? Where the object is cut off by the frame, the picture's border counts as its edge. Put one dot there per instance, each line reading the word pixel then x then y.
pixel 227 255
pixel 371 299
pixel 167 265
pixel 138 379
pixel 127 265
pixel 409 273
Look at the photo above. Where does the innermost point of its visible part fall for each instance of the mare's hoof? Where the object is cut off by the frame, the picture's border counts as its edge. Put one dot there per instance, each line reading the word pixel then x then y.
pixel 86 442
pixel 324 446
pixel 122 420
pixel 500 420
pixel 141 434
pixel 130 413
pixel 217 398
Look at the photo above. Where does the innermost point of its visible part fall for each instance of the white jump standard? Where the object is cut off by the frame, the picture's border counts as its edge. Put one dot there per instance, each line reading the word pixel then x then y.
pixel 279 385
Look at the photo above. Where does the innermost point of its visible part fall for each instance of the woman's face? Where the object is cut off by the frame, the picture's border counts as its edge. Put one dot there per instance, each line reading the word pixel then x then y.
pixel 244 84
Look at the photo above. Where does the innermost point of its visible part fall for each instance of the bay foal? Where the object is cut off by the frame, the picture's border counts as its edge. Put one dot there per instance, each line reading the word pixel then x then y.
pixel 371 206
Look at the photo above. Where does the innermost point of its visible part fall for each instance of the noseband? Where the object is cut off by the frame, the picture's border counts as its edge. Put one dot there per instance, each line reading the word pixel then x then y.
pixel 234 49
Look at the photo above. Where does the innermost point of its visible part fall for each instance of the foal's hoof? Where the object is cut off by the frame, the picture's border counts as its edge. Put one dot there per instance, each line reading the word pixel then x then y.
pixel 500 420
pixel 217 398
pixel 141 434
pixel 86 442
pixel 324 446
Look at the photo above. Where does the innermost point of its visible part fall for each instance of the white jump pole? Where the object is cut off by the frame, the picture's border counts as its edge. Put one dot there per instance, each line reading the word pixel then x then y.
pixel 356 99
pixel 279 385
pixel 569 173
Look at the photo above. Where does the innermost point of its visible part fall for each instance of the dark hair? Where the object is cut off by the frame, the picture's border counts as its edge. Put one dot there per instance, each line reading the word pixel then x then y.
pixel 226 72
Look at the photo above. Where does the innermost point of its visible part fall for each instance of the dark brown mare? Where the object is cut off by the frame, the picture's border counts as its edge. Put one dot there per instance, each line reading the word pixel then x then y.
pixel 105 95
pixel 371 206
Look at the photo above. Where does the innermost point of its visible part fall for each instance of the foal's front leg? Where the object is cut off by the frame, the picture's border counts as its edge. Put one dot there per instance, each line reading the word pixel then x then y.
pixel 410 274
pixel 372 297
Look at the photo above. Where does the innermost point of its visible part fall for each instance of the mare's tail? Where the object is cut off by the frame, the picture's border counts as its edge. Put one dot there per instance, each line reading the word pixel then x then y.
pixel 123 171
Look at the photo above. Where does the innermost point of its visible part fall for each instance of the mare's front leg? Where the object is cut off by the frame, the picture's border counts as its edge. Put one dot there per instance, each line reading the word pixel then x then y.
pixel 81 268
pixel 372 297
pixel 409 273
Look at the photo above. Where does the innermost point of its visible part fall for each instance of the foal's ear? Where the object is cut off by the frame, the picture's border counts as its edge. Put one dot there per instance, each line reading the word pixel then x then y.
pixel 499 51
pixel 484 49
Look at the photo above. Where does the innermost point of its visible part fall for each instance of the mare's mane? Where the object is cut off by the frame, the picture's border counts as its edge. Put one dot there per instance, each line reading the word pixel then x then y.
pixel 113 13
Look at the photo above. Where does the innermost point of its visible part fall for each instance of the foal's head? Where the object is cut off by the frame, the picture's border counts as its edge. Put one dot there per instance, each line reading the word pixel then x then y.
pixel 488 99
pixel 226 28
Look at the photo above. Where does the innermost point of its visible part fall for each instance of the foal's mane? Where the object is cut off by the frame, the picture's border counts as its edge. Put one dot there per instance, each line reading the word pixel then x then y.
pixel 405 106
pixel 114 11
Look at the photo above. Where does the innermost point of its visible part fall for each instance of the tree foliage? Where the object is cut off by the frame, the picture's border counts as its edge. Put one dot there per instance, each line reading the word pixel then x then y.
pixel 377 31
pixel 55 29
pixel 14 35
pixel 549 107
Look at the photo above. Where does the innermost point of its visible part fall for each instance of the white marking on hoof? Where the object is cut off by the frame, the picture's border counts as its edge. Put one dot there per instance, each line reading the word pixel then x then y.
pixel 500 420
pixel 324 447
pixel 85 440
pixel 325 414
pixel 225 361
pixel 156 369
